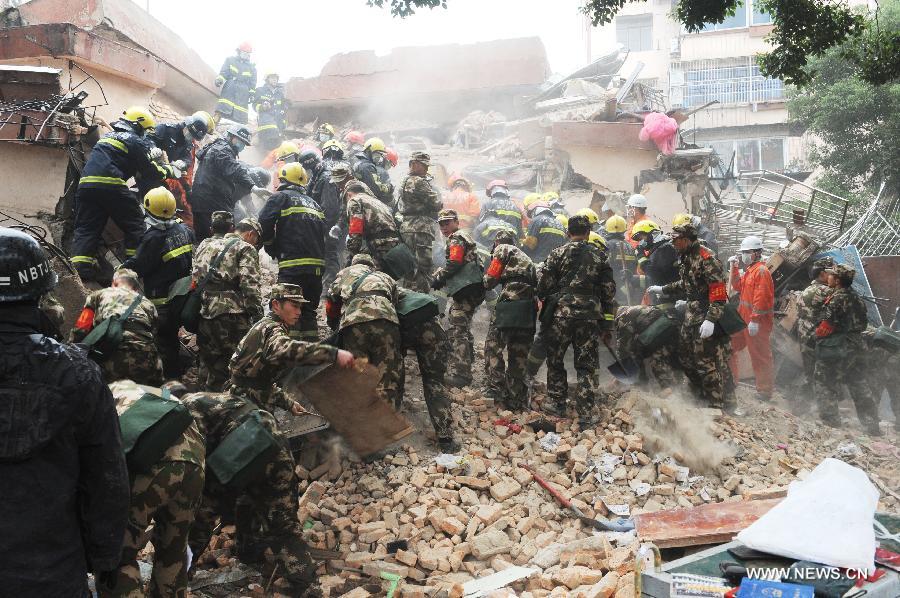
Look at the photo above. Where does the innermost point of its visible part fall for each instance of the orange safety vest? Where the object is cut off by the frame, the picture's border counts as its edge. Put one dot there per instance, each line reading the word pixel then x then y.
pixel 757 294
pixel 466 205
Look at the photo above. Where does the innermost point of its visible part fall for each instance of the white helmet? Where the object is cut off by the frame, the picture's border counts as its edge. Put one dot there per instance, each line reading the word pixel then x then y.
pixel 752 243
pixel 637 201
pixel 606 208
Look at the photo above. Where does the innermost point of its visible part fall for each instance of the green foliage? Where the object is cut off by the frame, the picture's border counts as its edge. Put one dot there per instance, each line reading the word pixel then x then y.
pixel 404 8
pixel 855 123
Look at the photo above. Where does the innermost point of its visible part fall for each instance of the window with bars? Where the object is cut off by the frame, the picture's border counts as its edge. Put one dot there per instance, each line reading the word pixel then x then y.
pixel 751 155
pixel 728 81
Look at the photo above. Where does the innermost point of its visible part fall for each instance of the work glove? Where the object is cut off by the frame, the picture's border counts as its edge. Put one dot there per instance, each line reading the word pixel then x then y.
pixel 753 328
pixel 335 232
pixel 706 329
pixel 681 306
pixel 175 171
pixel 155 154
pixel 220 80
pixel 655 290
pixel 733 261
pixel 180 165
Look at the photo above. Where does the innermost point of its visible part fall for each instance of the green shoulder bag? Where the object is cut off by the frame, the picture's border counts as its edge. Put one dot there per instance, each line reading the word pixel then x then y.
pixel 149 427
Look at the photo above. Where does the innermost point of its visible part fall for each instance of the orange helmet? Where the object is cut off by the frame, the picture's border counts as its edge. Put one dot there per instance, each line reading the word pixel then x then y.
pixel 392 156
pixel 496 183
pixel 355 137
pixel 245 47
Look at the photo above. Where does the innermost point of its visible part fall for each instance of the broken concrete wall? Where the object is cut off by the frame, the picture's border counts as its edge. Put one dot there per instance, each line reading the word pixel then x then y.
pixel 34 177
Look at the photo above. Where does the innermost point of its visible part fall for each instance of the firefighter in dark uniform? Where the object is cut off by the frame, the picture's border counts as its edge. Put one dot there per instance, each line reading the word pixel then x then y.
pixel 658 261
pixel 64 500
pixel 311 159
pixel 326 194
pixel 163 258
pixel 293 232
pixel 369 169
pixel 500 205
pixel 270 109
pixel 545 232
pixel 237 78
pixel 103 188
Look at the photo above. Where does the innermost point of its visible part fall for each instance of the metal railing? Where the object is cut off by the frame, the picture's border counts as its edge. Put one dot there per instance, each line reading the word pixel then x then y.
pixel 730 81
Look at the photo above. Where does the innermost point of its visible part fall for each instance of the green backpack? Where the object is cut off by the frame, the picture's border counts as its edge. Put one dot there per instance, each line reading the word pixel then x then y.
pixel 193 302
pixel 105 338
pixel 469 275
pixel 663 330
pixel 399 261
pixel 515 315
pixel 149 427
pixel 415 309
pixel 833 347
pixel 243 454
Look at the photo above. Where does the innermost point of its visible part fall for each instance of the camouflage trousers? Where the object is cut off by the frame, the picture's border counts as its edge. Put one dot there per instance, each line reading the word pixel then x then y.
pixel 506 379
pixel 830 378
pixel 307 327
pixel 420 244
pixel 216 341
pixel 537 354
pixel 629 323
pixel 705 363
pixel 134 361
pixel 334 250
pixel 462 343
pixel 429 341
pixel 379 341
pixel 883 370
pixel 168 495
pixel 584 337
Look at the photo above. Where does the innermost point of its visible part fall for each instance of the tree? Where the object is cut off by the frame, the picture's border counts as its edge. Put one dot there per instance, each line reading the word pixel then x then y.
pixel 802 29
pixel 855 123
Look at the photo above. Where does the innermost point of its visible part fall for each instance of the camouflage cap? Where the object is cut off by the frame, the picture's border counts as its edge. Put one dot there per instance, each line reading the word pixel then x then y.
pixel 340 174
pixel 823 263
pixel 421 157
pixel 447 214
pixel 684 230
pixel 505 235
pixel 578 222
pixel 363 258
pixel 287 292
pixel 254 223
pixel 843 272
pixel 222 217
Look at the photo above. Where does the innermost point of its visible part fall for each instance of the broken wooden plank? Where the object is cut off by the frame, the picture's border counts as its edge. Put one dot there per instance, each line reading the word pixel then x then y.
pixel 706 524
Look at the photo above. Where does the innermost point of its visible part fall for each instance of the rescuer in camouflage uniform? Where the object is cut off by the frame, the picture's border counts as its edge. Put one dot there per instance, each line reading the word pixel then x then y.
pixel 231 301
pixel 883 366
pixel 660 359
pixel 579 275
pixel 360 305
pixel 514 270
pixel 419 205
pixel 703 350
pixel 267 351
pixel 168 494
pixel 371 227
pixel 136 357
pixel 429 342
pixel 809 314
pixel 461 249
pixel 844 313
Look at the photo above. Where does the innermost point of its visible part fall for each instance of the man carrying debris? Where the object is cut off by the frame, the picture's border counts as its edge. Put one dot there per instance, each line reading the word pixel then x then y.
pixel 512 322
pixel 369 169
pixel 654 349
pixel 226 271
pixel 702 349
pixel 757 308
pixel 545 233
pixel 840 358
pixel 419 204
pixel 163 258
pixel 270 109
pixel 64 498
pixel 293 231
pixel 326 194
pixel 103 188
pixel 810 310
pixel 237 78
pixel 221 179
pixel 136 356
pixel 499 205
pixel 578 293
pixel 166 494
pixel 462 275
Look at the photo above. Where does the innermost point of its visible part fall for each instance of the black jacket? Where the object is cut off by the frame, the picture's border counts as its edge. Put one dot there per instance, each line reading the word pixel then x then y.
pixel 274 116
pixel 117 157
pixel 164 255
pixel 326 194
pixel 548 232
pixel 64 496
pixel 660 264
pixel 503 208
pixel 375 177
pixel 238 77
pixel 220 179
pixel 171 139
pixel 293 231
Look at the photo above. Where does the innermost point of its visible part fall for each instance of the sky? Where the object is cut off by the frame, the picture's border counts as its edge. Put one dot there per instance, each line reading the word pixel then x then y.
pixel 296 38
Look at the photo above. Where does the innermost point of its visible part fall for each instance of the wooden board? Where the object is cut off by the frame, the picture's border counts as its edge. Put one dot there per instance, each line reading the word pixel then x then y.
pixel 706 524
pixel 347 398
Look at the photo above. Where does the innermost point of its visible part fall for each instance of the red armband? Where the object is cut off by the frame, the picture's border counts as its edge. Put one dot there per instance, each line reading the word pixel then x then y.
pixel 357 225
pixel 717 292
pixel 85 320
pixel 332 310
pixel 193 285
pixel 457 253
pixel 824 329
pixel 495 269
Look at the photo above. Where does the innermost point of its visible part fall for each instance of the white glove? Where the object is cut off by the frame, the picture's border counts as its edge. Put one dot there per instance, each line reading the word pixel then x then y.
pixel 176 171
pixel 706 329
pixel 335 232
pixel 655 290
pixel 753 328
pixel 155 153
pixel 681 305
pixel 734 260
pixel 180 165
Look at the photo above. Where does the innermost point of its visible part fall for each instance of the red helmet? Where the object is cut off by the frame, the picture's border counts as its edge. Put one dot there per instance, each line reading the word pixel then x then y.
pixel 495 183
pixel 245 47
pixel 392 156
pixel 355 137
pixel 456 180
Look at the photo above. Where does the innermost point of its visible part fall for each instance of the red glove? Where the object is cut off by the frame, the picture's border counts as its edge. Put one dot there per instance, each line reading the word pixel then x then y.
pixel 825 328
pixel 85 320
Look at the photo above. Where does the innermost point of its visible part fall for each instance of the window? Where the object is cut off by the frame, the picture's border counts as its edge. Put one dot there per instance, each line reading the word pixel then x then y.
pixel 635 32
pixel 747 13
pixel 750 154
pixel 730 81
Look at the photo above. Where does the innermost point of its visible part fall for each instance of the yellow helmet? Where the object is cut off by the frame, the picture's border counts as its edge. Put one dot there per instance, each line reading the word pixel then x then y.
pixel 140 116
pixel 645 226
pixel 563 219
pixel 294 173
pixel 590 214
pixel 597 240
pixel 375 144
pixel 530 199
pixel 327 128
pixel 160 202
pixel 616 224
pixel 286 149
pixel 550 196
pixel 332 143
pixel 680 219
